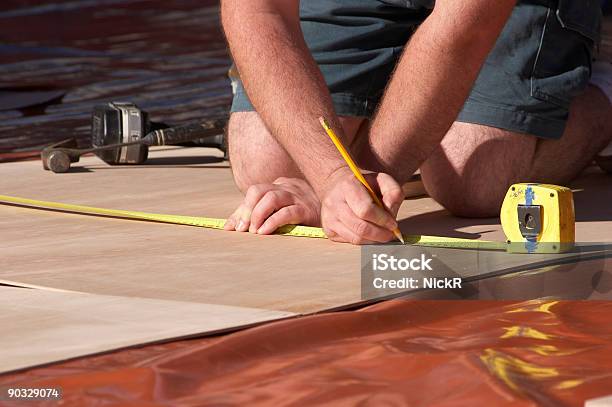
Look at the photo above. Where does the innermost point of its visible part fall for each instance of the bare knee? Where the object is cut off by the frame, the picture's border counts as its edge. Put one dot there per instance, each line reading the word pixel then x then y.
pixel 255 156
pixel 468 198
pixel 588 131
pixel 473 168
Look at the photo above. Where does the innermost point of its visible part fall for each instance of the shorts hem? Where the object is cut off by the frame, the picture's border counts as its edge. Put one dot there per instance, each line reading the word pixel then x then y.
pixel 512 120
pixel 345 104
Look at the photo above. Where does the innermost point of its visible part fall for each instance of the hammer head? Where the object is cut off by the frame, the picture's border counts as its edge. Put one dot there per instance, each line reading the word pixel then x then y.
pixel 58 157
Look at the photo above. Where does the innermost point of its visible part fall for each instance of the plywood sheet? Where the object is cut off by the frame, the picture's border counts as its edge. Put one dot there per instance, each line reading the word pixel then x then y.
pixel 40 326
pixel 139 259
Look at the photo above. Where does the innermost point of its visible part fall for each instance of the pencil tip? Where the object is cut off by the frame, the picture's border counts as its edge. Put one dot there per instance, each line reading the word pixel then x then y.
pixel 399 236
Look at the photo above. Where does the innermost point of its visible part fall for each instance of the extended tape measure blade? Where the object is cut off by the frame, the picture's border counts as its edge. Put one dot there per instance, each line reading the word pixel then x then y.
pixel 215 223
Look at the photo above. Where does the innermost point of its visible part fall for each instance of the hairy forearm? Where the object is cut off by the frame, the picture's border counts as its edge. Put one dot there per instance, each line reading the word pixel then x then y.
pixel 432 81
pixel 283 82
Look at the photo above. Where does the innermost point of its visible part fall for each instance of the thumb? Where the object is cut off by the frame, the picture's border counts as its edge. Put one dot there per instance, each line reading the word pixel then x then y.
pixel 391 191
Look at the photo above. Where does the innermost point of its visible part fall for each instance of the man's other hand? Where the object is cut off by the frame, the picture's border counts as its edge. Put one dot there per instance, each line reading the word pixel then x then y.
pixel 266 207
pixel 348 213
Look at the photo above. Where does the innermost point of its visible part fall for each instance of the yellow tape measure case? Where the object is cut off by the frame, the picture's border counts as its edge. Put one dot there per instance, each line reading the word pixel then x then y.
pixel 538 218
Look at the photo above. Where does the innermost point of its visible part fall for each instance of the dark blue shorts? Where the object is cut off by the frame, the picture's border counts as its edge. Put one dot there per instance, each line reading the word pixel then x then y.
pixel 541 61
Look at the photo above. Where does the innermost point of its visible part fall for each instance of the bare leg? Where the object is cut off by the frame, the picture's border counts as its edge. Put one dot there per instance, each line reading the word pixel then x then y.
pixel 589 130
pixel 257 158
pixel 474 166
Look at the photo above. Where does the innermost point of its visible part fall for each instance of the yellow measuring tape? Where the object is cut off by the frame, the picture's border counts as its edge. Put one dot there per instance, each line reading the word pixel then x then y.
pixel 215 223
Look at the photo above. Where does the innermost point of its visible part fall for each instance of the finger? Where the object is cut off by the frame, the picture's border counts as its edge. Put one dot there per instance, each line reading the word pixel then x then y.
pixel 230 223
pixel 281 180
pixel 336 231
pixel 242 218
pixel 362 228
pixel 289 215
pixel 271 202
pixel 391 192
pixel 251 198
pixel 361 204
pixel 255 193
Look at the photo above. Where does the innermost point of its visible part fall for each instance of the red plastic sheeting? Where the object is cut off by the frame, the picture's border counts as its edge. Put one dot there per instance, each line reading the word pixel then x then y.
pixel 395 353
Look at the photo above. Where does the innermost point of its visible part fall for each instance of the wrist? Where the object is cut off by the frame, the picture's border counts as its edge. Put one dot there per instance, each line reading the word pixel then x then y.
pixel 398 159
pixel 331 179
pixel 329 164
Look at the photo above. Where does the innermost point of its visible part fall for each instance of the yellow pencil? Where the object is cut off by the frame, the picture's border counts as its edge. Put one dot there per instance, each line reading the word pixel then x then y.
pixel 351 163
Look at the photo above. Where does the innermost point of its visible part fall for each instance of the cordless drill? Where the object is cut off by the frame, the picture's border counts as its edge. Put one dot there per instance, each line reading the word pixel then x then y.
pixel 122 134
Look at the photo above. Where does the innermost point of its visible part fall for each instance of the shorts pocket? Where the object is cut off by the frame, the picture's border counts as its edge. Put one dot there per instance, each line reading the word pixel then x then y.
pixel 563 63
pixel 583 16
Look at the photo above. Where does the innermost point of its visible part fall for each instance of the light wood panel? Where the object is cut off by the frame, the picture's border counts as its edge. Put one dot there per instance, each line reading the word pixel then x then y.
pixel 140 259
pixel 41 326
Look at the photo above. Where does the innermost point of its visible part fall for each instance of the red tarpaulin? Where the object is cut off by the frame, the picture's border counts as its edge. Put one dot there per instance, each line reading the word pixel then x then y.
pixel 459 353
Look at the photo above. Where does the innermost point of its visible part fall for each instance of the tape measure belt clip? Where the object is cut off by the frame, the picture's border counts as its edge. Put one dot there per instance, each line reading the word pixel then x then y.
pixel 530 220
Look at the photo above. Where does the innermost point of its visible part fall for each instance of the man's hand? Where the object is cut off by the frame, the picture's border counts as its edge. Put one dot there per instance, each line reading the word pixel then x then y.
pixel 348 213
pixel 266 207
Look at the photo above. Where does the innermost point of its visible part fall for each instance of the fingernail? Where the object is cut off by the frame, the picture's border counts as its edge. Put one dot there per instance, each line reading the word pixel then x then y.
pixel 240 226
